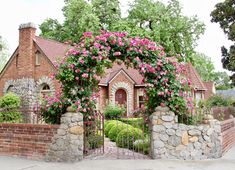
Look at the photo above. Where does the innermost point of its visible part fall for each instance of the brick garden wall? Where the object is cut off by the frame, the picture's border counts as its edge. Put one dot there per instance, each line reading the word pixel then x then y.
pixel 228 134
pixel 26 140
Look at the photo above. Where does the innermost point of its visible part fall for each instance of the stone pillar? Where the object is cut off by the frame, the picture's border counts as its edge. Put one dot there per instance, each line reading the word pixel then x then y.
pixel 171 140
pixel 161 120
pixel 67 144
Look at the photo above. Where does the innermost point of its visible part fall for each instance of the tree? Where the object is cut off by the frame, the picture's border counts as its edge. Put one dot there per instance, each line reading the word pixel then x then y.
pixel 108 12
pixel 222 81
pixel 161 23
pixel 206 70
pixel 224 14
pixel 166 24
pixel 3 54
pixel 79 18
pixel 204 66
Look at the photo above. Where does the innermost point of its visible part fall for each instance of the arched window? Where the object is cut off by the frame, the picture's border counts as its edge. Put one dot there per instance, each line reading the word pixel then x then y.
pixel 10 89
pixel 45 90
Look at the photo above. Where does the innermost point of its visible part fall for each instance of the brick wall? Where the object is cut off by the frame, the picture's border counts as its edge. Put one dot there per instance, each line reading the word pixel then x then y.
pixel 228 134
pixel 26 140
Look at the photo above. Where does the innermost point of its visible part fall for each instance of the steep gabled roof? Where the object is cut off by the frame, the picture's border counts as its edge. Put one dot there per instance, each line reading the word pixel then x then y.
pixel 192 74
pixel 52 49
pixel 131 72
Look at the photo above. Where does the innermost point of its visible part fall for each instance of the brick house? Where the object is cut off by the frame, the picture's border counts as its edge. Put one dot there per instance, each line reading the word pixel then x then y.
pixel 27 73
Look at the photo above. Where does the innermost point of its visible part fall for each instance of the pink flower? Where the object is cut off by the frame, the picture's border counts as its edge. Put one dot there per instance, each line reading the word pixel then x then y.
pixel 77 70
pixel 162 104
pixel 118 53
pixel 76 78
pixel 81 61
pixel 87 34
pixel 84 75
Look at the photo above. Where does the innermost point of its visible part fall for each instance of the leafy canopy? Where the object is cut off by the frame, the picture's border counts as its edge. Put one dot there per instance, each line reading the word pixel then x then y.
pixel 224 14
pixel 162 23
pixel 206 70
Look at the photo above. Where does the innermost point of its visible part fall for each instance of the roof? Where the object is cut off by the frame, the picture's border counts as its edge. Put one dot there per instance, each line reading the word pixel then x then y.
pixel 112 72
pixel 210 89
pixel 194 77
pixel 52 49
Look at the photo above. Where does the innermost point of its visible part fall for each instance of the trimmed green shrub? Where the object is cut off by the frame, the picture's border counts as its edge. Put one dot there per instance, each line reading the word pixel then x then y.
pixel 10 101
pixel 114 131
pixel 11 117
pixel 136 122
pixel 109 126
pixel 126 137
pixel 9 105
pixel 112 111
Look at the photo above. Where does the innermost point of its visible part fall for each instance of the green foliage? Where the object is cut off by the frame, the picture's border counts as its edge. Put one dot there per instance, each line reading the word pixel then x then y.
pixel 142 146
pixel 114 131
pixel 52 109
pixel 127 137
pixel 10 117
pixel 176 32
pixel 224 15
pixel 10 101
pixel 9 105
pixel 95 141
pixel 219 100
pixel 206 70
pixel 112 111
pixel 79 18
pixel 108 127
pixel 108 12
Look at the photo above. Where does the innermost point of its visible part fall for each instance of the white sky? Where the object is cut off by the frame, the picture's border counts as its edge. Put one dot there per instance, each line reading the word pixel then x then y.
pixel 15 12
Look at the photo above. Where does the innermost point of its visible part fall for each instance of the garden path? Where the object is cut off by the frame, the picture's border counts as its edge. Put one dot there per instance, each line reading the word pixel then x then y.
pixel 111 152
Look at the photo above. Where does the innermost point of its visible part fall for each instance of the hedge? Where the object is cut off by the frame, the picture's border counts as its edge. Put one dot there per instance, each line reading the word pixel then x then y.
pixel 127 137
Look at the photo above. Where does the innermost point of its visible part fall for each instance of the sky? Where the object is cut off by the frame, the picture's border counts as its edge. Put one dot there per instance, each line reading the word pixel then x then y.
pixel 15 12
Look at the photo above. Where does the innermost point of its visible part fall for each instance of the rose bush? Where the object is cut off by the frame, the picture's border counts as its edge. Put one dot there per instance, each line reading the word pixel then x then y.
pixel 84 64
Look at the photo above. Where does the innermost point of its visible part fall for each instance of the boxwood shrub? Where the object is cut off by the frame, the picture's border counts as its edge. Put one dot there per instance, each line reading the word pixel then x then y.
pixel 126 137
pixel 9 106
pixel 114 131
pixel 109 125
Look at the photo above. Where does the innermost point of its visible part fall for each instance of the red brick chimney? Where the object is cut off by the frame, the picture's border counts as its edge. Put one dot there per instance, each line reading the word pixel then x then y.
pixel 25 60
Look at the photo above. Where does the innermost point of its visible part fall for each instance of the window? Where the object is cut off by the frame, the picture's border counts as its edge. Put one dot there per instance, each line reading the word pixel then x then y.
pixel 10 89
pixel 38 58
pixel 141 101
pixel 198 97
pixel 45 90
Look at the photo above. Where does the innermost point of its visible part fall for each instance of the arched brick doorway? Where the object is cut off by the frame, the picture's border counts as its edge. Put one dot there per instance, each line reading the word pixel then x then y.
pixel 121 98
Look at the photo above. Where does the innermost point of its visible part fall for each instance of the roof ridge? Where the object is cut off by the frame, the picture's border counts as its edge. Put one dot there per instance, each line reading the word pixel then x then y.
pixel 52 40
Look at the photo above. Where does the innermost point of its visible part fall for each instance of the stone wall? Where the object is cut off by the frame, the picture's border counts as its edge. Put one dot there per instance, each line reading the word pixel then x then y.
pixel 172 140
pixel 67 144
pixel 26 140
pixel 25 88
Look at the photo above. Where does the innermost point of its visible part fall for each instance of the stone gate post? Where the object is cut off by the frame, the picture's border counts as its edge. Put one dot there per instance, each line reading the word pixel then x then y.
pixel 67 144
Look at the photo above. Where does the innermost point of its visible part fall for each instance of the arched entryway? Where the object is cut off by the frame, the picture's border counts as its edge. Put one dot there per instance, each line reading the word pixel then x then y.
pixel 121 98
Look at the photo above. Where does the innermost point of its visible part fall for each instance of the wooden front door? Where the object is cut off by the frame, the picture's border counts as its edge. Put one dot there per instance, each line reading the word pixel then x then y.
pixel 121 98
